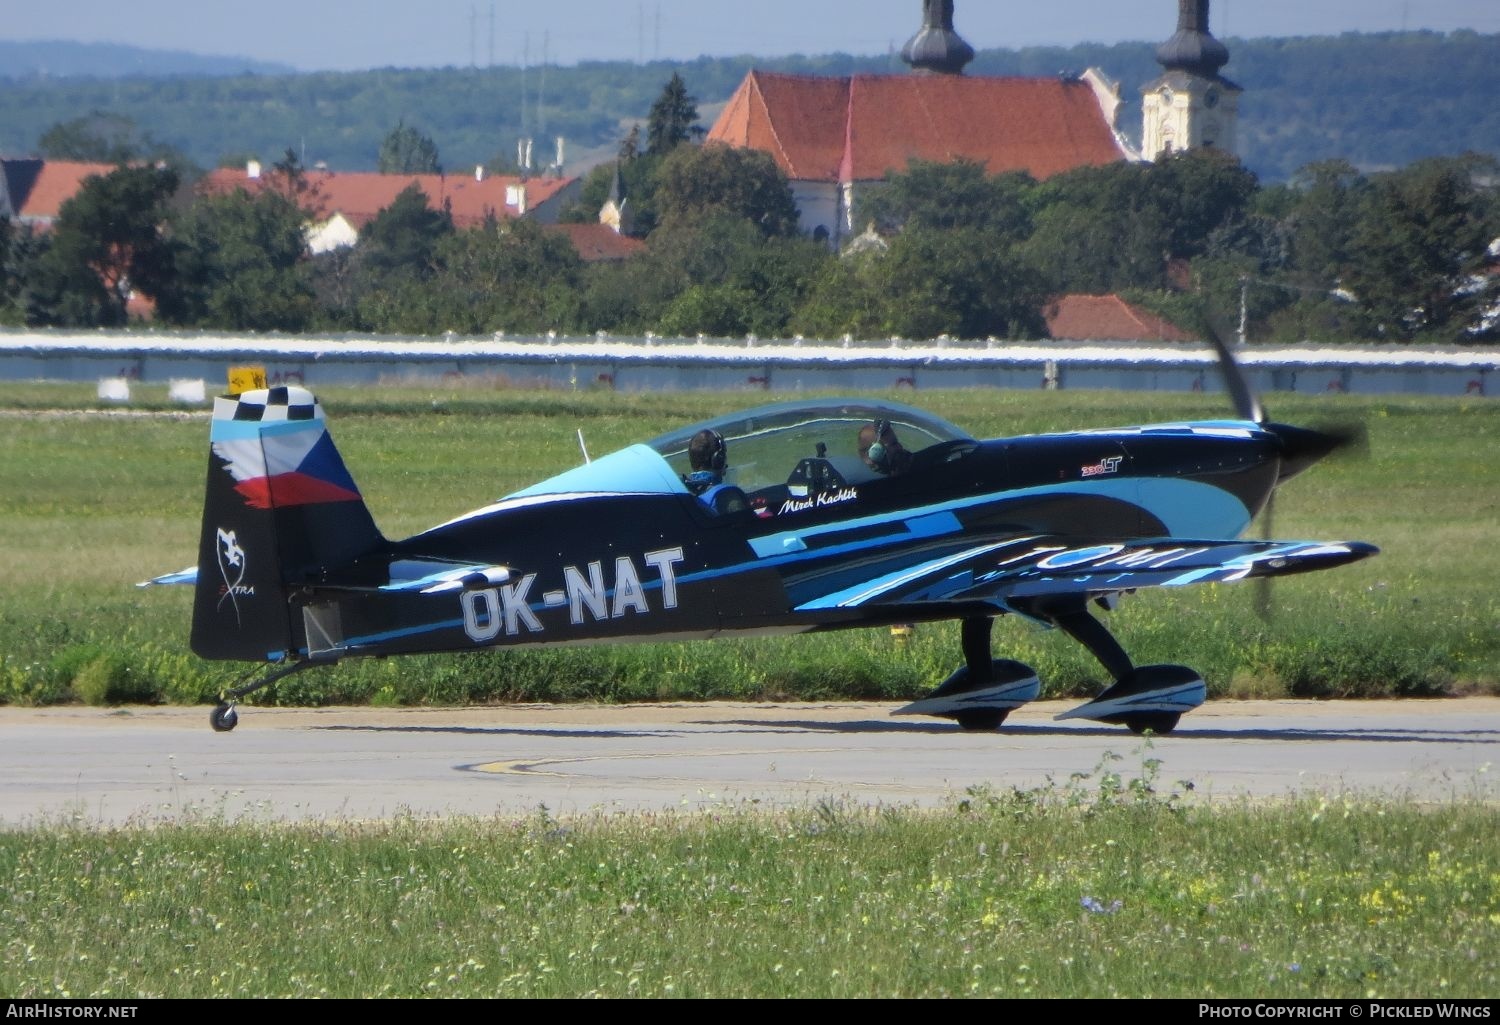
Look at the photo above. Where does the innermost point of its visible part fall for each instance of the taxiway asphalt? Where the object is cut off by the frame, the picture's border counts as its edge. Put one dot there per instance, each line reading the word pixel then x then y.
pixel 143 765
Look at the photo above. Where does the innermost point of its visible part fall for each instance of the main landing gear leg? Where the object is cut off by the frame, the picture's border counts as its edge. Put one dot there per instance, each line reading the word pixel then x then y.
pixel 974 641
pixel 1142 698
pixel 984 690
pixel 224 718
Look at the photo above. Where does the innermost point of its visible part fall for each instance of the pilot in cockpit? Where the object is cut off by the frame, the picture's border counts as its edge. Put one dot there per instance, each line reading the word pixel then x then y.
pixel 881 450
pixel 708 456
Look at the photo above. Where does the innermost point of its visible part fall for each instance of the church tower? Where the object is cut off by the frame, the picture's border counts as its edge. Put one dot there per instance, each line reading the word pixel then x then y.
pixel 1191 106
pixel 937 49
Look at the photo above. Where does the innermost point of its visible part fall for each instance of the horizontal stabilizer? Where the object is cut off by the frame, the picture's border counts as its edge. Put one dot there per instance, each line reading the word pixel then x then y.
pixel 187 576
pixel 424 576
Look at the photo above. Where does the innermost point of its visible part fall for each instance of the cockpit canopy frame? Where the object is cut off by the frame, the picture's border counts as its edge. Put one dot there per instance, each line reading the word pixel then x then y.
pixel 769 445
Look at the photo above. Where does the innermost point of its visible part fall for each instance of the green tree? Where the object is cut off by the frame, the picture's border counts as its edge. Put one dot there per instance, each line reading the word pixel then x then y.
pixel 20 248
pixel 962 283
pixel 108 243
pixel 1326 204
pixel 1102 229
pixel 960 194
pixel 402 239
pixel 673 118
pixel 1199 194
pixel 398 247
pixel 504 276
pixel 847 297
pixel 694 184
pixel 102 137
pixel 722 276
pixel 1094 231
pixel 630 146
pixel 244 265
pixel 625 296
pixel 405 150
pixel 288 178
pixel 1421 241
pixel 718 311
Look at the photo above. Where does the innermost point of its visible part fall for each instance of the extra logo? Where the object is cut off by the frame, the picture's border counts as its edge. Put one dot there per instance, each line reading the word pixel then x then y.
pixel 1109 464
pixel 510 608
pixel 232 565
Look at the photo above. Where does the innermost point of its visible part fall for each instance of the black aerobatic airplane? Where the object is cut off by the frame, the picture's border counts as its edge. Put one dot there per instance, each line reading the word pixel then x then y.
pixel 840 513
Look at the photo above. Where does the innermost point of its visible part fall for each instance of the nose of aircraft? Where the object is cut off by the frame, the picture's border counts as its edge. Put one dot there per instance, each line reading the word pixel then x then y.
pixel 1301 447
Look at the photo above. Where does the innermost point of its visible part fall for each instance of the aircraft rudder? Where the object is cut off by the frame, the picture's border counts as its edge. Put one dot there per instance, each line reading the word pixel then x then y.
pixel 279 507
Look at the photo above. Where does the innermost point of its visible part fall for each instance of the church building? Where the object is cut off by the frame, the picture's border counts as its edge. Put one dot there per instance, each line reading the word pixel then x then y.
pixel 836 136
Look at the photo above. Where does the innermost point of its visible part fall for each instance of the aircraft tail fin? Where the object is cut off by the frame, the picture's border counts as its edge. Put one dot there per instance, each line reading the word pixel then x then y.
pixel 280 507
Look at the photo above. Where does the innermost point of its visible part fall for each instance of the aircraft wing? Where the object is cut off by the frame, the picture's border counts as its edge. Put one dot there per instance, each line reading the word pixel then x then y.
pixel 1018 569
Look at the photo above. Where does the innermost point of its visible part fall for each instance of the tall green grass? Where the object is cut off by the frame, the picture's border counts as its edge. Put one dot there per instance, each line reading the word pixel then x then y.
pixel 90 505
pixel 1109 885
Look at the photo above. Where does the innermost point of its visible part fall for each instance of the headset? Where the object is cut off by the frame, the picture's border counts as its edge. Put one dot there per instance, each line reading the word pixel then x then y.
pixel 719 460
pixel 879 458
pixel 717 454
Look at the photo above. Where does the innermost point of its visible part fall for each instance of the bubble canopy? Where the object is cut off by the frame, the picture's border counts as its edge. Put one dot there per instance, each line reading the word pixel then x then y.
pixel 766 442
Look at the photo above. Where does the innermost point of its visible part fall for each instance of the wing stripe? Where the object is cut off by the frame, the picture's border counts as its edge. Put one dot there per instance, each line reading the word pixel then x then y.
pixel 866 590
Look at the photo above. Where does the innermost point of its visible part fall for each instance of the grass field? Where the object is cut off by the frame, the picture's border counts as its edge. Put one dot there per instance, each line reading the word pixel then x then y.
pixel 91 504
pixel 1105 887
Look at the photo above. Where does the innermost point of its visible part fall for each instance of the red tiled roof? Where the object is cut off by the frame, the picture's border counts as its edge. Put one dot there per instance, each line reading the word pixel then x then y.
pixel 801 120
pixel 858 128
pixel 599 242
pixel 56 182
pixel 1108 318
pixel 359 195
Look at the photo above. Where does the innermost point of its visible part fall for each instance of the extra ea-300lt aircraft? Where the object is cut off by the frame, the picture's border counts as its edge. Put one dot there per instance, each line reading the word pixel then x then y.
pixel 840 514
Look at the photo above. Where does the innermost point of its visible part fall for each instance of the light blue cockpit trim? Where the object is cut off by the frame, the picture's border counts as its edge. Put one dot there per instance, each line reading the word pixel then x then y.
pixel 637 470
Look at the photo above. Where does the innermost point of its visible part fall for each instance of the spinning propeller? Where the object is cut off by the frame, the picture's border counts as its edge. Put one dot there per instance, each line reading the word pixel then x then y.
pixel 1301 447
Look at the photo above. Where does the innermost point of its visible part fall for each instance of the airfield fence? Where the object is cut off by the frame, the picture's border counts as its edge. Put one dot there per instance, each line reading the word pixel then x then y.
pixel 652 363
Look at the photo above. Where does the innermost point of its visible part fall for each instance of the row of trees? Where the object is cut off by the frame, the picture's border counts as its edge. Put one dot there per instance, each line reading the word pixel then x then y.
pixel 1335 254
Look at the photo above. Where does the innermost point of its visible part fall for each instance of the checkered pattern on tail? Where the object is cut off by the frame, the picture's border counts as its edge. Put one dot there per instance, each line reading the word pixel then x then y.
pixel 269 405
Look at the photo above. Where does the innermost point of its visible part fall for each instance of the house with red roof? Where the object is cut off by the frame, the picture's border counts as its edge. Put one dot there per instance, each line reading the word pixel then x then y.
pixel 339 204
pixel 32 194
pixel 1108 318
pixel 835 136
pixel 599 243
pixel 32 191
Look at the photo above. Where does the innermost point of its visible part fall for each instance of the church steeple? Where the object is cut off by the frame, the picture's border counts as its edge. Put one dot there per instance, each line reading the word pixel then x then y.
pixel 937 48
pixel 1193 48
pixel 1191 106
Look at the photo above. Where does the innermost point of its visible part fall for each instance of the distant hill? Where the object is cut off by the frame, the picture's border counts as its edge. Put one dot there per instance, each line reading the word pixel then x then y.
pixel 1377 100
pixel 59 59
